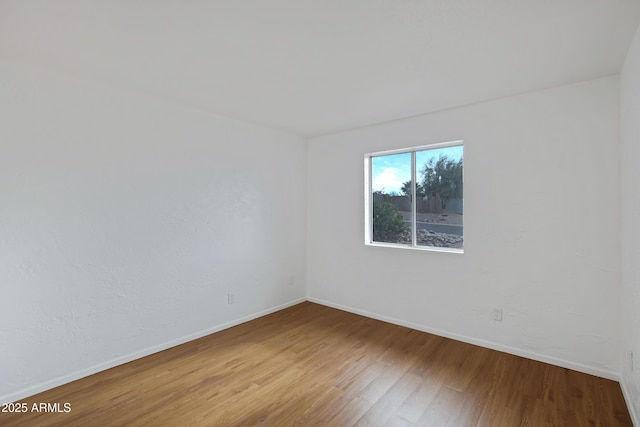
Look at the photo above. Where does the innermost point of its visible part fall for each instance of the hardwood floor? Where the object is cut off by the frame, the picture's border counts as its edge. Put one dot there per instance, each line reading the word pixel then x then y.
pixel 311 365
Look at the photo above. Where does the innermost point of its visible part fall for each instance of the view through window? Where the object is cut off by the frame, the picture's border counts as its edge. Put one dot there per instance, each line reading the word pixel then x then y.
pixel 415 197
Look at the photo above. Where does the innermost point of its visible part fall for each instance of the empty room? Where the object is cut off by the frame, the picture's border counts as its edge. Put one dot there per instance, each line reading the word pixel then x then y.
pixel 320 213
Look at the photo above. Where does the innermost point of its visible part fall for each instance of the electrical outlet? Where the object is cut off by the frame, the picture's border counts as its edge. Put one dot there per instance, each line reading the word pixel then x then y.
pixel 231 298
pixel 497 314
pixel 292 280
pixel 631 361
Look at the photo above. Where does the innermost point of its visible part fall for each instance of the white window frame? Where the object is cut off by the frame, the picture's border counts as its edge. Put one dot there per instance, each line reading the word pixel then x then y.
pixel 368 199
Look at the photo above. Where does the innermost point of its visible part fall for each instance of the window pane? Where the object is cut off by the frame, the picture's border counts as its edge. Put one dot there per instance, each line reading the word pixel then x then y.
pixel 391 198
pixel 439 178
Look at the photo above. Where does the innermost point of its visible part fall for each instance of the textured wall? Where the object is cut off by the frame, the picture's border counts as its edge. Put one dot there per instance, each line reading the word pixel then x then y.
pixel 540 224
pixel 124 222
pixel 630 224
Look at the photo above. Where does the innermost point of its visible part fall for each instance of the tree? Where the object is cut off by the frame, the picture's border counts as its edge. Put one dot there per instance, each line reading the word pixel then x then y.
pixel 406 189
pixel 388 224
pixel 443 177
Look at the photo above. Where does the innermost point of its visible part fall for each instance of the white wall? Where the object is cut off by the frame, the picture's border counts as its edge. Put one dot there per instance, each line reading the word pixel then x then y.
pixel 541 228
pixel 630 224
pixel 124 222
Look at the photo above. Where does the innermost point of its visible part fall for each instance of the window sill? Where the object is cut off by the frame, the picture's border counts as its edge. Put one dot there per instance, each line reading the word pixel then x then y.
pixel 417 248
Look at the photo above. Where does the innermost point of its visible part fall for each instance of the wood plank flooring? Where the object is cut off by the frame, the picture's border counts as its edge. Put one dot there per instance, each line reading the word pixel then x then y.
pixel 311 365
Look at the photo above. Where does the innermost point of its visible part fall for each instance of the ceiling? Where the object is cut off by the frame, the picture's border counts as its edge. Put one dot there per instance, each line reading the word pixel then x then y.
pixel 319 66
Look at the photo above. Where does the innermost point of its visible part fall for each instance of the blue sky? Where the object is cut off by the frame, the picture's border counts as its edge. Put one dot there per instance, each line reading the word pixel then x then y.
pixel 390 172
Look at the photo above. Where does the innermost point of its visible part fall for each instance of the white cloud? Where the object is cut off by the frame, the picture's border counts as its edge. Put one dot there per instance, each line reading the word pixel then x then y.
pixel 389 180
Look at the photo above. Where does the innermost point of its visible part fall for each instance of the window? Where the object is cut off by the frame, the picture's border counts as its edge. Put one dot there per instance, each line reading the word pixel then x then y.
pixel 413 197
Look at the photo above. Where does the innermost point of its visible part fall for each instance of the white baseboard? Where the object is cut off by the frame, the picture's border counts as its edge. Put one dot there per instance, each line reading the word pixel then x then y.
pixel 635 418
pixel 47 385
pixel 482 343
